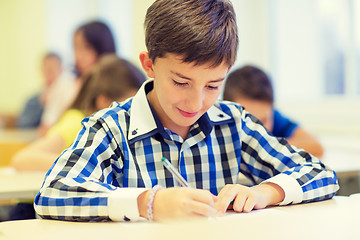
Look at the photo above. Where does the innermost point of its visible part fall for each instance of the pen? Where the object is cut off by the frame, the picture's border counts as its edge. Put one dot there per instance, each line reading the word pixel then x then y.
pixel 174 172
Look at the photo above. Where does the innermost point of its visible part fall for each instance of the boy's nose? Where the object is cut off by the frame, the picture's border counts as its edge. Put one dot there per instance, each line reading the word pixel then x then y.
pixel 195 101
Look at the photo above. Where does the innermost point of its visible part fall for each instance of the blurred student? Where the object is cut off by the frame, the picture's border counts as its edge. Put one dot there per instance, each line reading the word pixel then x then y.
pixel 252 88
pixel 111 79
pixel 91 41
pixel 30 116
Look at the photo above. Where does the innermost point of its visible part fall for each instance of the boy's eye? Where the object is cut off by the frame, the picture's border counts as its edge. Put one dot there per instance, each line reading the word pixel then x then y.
pixel 184 84
pixel 179 83
pixel 213 87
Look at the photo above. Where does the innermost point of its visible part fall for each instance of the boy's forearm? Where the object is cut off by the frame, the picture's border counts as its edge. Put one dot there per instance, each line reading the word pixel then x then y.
pixel 142 201
pixel 273 193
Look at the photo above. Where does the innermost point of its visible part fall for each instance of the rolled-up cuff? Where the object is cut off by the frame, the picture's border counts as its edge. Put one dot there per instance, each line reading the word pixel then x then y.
pixel 292 189
pixel 122 204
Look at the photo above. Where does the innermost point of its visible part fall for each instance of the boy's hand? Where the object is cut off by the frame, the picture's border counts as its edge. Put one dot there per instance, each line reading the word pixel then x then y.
pixel 179 202
pixel 248 198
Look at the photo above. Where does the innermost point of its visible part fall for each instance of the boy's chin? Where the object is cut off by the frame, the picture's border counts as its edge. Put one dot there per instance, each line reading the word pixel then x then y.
pixel 189 122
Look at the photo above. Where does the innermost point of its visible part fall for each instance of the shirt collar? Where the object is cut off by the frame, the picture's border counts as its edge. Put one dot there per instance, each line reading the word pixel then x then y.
pixel 143 121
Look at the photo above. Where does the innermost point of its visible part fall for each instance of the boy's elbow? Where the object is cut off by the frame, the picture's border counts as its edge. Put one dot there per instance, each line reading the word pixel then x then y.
pixel 332 185
pixel 41 207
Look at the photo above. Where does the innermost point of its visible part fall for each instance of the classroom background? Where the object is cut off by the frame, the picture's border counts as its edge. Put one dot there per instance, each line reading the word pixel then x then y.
pixel 311 50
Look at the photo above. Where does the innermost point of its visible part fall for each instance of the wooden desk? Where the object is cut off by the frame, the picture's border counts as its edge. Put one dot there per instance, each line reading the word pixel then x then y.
pixel 333 219
pixel 12 141
pixel 19 185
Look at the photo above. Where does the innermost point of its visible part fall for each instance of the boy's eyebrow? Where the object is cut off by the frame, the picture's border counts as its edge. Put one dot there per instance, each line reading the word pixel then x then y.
pixel 190 79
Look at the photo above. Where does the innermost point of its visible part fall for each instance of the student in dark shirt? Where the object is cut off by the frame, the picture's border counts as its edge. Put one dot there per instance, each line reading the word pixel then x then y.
pixel 252 88
pixel 30 116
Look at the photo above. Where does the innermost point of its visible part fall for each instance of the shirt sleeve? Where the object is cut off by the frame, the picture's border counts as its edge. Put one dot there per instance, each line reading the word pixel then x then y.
pixel 266 158
pixel 81 185
pixel 123 204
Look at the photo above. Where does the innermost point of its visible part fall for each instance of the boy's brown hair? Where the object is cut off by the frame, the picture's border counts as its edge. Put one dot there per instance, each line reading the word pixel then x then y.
pixel 201 31
pixel 248 82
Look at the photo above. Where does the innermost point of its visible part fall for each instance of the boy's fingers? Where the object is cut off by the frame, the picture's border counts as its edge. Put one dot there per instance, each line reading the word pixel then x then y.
pixel 203 209
pixel 239 202
pixel 226 195
pixel 249 203
pixel 204 196
pixel 215 198
pixel 192 206
pixel 225 191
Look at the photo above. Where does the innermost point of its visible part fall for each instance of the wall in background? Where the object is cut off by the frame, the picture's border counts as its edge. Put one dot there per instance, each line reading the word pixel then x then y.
pixel 29 29
pixel 254 33
pixel 22 42
pixel 118 15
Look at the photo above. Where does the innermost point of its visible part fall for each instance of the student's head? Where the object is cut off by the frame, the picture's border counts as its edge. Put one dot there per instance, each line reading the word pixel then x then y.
pixel 200 31
pixel 111 79
pixel 252 88
pixel 91 41
pixel 51 68
pixel 191 45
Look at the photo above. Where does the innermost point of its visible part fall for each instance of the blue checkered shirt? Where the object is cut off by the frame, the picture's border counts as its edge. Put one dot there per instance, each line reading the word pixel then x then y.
pixel 122 146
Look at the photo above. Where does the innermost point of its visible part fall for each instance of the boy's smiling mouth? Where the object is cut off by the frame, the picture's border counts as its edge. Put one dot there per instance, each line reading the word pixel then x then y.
pixel 187 114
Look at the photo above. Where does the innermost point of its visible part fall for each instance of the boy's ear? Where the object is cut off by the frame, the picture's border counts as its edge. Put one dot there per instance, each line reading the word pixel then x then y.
pixel 229 69
pixel 147 64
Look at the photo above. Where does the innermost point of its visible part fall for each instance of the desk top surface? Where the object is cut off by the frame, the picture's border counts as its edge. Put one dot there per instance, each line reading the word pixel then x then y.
pixel 333 219
pixel 19 185
pixel 13 140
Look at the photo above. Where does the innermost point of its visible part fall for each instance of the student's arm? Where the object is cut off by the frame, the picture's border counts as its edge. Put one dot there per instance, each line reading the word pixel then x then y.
pixel 79 185
pixel 179 202
pixel 275 167
pixel 85 183
pixel 249 198
pixel 39 155
pixel 302 139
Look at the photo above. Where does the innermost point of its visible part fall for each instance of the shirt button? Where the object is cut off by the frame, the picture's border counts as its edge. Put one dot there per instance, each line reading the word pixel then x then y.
pixel 134 132
pixel 221 115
